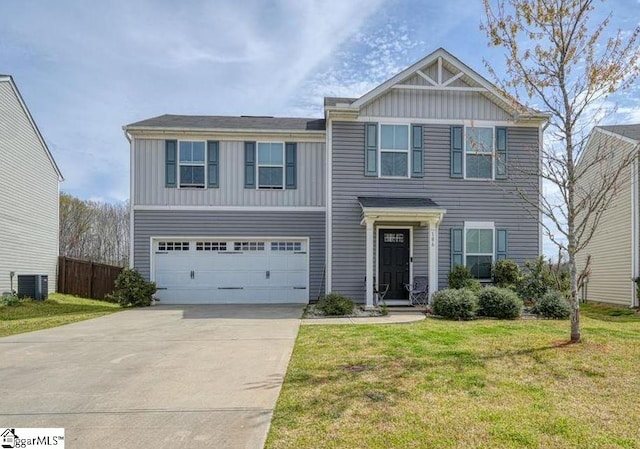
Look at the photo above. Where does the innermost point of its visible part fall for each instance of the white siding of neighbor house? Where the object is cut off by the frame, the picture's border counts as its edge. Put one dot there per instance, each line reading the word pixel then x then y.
pixel 610 248
pixel 28 197
pixel 150 190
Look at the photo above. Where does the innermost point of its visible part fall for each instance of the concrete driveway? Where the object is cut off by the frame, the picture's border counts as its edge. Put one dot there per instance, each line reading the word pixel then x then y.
pixel 159 377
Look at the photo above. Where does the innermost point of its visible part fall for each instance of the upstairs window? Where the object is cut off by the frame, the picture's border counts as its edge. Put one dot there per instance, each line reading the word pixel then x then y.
pixel 192 164
pixel 394 151
pixel 270 165
pixel 479 153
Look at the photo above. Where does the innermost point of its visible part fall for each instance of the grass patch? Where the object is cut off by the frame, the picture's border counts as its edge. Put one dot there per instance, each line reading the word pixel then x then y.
pixel 57 310
pixel 479 384
pixel 608 312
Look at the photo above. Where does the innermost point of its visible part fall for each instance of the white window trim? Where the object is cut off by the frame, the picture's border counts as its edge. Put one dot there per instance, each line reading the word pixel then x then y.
pixel 407 151
pixel 282 166
pixel 191 164
pixel 470 225
pixel 493 151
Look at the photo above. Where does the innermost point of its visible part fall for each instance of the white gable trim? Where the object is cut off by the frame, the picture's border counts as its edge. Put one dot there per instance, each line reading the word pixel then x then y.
pixel 439 55
pixel 9 79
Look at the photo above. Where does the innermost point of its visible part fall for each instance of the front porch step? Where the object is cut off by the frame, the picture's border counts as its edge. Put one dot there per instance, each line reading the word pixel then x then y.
pixel 406 309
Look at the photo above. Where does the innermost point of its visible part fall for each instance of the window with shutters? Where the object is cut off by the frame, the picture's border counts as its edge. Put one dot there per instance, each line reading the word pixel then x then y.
pixel 192 164
pixel 479 249
pixel 394 151
pixel 271 165
pixel 479 153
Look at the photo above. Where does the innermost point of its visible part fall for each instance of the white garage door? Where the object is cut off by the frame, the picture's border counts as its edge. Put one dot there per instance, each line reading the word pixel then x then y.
pixel 231 271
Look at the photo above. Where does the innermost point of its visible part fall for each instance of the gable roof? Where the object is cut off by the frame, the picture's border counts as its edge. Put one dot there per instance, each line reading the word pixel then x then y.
pixel 629 131
pixel 9 79
pixel 223 122
pixel 484 86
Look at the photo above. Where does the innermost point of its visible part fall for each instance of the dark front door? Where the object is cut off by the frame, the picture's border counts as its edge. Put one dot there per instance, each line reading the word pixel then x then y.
pixel 393 253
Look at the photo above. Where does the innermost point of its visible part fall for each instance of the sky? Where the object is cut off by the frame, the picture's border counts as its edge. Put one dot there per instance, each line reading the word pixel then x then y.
pixel 85 69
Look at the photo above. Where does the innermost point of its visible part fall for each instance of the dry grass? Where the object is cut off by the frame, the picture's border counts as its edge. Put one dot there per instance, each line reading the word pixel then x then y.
pixel 57 310
pixel 480 384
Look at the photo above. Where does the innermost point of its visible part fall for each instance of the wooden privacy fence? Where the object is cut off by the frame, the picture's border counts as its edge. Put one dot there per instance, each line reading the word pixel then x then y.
pixel 86 279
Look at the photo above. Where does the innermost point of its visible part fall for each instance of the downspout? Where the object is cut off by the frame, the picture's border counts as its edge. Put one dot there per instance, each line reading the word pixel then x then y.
pixel 543 127
pixel 131 166
pixel 635 226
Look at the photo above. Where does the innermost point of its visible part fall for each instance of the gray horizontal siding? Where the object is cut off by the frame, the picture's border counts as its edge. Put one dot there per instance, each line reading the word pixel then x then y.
pixel 148 224
pixel 465 200
pixel 150 190
pixel 28 197
pixel 435 105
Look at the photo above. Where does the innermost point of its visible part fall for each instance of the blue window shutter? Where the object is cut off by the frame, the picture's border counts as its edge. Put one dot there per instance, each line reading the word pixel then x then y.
pixel 170 163
pixel 249 165
pixel 501 153
pixel 371 149
pixel 291 159
pixel 456 151
pixel 213 164
pixel 502 244
pixel 456 247
pixel 417 159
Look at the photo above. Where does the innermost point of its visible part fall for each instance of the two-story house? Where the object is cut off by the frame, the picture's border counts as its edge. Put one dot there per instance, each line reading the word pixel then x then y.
pixel 417 175
pixel 612 255
pixel 29 192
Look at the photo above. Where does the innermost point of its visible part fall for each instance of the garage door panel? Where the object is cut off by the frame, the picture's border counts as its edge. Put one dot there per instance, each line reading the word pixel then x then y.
pixel 241 271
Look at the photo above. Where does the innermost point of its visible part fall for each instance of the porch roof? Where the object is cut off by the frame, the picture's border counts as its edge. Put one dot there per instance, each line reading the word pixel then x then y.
pixel 386 208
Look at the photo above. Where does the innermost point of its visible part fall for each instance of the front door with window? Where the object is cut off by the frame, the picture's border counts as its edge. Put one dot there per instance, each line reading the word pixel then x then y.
pixel 393 265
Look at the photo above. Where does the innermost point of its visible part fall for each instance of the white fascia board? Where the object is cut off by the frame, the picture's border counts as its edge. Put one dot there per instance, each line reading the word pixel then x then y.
pixel 401 214
pixel 229 134
pixel 232 208
pixel 615 135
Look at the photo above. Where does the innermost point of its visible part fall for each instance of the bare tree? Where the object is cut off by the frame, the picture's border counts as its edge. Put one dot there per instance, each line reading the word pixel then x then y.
pixel 554 57
pixel 94 230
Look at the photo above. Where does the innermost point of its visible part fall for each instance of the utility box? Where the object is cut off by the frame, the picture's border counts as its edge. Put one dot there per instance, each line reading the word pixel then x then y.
pixel 34 286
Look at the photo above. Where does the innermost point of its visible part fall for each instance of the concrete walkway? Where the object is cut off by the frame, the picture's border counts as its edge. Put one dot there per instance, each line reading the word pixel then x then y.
pixel 393 317
pixel 159 377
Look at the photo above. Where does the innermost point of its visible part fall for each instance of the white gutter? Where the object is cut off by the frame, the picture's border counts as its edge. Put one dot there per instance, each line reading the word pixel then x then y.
pixel 131 170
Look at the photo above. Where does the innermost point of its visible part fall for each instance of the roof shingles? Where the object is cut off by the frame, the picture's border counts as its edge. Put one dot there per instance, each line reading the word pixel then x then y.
pixel 630 131
pixel 231 123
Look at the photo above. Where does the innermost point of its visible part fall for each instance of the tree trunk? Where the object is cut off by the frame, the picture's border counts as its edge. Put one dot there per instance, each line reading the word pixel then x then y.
pixel 574 300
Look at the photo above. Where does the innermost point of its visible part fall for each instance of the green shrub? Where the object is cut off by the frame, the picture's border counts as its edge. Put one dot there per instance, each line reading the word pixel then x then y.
pixel 459 276
pixel 506 273
pixel 553 305
pixel 10 300
pixel 537 281
pixel 456 304
pixel 499 303
pixel 336 304
pixel 474 285
pixel 132 289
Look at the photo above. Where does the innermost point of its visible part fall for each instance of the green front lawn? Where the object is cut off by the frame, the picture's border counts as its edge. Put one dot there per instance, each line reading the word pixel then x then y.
pixel 57 310
pixel 478 384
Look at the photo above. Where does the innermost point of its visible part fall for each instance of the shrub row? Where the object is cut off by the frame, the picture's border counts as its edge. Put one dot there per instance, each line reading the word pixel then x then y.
pixel 465 304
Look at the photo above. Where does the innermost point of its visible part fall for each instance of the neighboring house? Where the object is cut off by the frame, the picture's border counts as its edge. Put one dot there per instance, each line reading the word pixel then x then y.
pixel 614 249
pixel 415 176
pixel 29 192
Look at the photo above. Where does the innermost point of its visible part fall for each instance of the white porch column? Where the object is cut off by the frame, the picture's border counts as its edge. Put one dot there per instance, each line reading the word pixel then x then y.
pixel 369 262
pixel 433 257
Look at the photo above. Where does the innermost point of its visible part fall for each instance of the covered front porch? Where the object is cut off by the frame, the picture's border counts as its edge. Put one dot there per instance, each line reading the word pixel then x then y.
pixel 401 245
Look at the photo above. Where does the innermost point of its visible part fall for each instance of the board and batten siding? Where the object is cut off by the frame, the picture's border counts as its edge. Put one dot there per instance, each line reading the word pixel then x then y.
pixel 149 223
pixel 28 197
pixel 150 190
pixel 464 200
pixel 610 247
pixel 450 105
